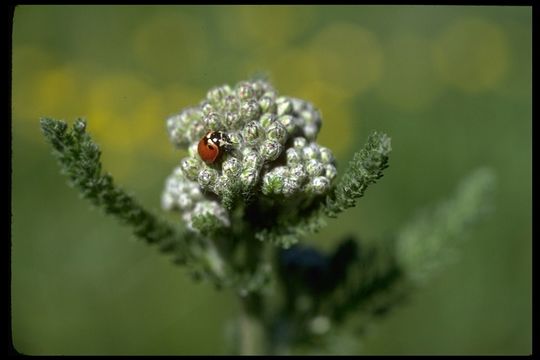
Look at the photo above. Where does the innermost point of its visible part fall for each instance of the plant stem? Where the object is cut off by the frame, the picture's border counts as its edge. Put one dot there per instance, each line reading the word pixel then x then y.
pixel 251 329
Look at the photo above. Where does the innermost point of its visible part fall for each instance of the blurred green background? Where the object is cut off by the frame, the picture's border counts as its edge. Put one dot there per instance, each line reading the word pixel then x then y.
pixel 450 85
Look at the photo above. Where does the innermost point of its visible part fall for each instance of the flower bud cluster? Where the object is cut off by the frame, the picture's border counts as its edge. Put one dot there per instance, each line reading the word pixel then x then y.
pixel 185 196
pixel 271 146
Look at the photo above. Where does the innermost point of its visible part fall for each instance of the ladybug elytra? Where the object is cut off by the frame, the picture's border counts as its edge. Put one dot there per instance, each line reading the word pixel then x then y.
pixel 212 145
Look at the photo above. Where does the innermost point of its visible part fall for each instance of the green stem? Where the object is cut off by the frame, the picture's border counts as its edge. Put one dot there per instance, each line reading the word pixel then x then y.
pixel 251 328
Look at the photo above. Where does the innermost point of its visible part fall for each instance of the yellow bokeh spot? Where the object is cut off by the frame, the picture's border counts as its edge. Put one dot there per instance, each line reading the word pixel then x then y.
pixel 290 70
pixel 408 82
pixel 124 111
pixel 472 55
pixel 30 65
pixel 42 88
pixel 263 29
pixel 60 92
pixel 348 56
pixel 172 46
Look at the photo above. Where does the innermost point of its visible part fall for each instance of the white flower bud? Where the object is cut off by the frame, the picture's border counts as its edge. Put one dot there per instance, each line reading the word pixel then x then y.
pixel 267 120
pixel 277 132
pixel 289 122
pixel 249 110
pixel 231 104
pixel 284 106
pixel 299 142
pixel 326 155
pixel 274 180
pixel 311 152
pixel 259 87
pixel 251 132
pixel 291 186
pixel 267 105
pixel 231 167
pixel 314 168
pixel 330 171
pixel 217 94
pixel 190 168
pixel 297 104
pixel 270 150
pixel 231 120
pixel 236 139
pixel 185 202
pixel 244 90
pixel 222 184
pixel 293 156
pixel 167 201
pixel 248 178
pixel 207 108
pixel 311 131
pixel 211 208
pixel 271 93
pixel 213 120
pixel 254 126
pixel 207 177
pixel 319 185
pixel 298 173
pixel 195 132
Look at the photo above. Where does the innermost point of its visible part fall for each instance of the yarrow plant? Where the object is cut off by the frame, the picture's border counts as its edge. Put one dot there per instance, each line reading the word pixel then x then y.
pixel 255 184
pixel 270 153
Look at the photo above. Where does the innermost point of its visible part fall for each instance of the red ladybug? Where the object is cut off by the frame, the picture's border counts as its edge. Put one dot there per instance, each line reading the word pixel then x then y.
pixel 212 145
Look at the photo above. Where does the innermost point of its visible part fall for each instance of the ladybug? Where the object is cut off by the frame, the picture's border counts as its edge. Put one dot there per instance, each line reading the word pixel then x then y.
pixel 212 145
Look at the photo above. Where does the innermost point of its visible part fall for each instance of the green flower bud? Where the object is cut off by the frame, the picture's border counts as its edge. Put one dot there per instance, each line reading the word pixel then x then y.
pixel 245 90
pixel 231 104
pixel 217 94
pixel 213 121
pixel 319 185
pixel 248 178
pixel 299 142
pixel 185 202
pixel 326 155
pixel 293 156
pixel 284 106
pixel 251 132
pixel 330 171
pixel 190 167
pixel 271 93
pixel 210 208
pixel 267 105
pixel 297 105
pixel 207 178
pixel 311 131
pixel 250 157
pixel 231 120
pixel 236 139
pixel 207 108
pixel 314 168
pixel 196 131
pixel 274 180
pixel 253 126
pixel 267 120
pixel 298 173
pixel 311 152
pixel 288 122
pixel 270 150
pixel 259 87
pixel 290 186
pixel 277 132
pixel 249 110
pixel 231 167
pixel 272 184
